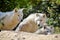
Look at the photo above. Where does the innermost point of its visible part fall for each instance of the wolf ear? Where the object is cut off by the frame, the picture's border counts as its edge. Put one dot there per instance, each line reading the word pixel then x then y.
pixel 37 14
pixel 15 10
pixel 44 16
pixel 22 9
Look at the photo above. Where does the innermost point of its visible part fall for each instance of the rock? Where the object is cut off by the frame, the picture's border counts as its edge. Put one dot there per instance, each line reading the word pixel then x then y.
pixel 11 35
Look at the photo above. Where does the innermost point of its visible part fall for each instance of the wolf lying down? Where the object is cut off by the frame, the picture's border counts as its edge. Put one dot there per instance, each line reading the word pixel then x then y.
pixel 9 20
pixel 45 29
pixel 31 23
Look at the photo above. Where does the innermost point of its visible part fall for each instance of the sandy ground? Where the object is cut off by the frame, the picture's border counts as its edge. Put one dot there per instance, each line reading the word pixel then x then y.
pixel 11 35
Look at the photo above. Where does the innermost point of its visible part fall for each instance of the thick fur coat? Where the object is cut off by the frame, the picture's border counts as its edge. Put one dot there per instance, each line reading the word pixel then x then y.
pixel 30 24
pixel 9 20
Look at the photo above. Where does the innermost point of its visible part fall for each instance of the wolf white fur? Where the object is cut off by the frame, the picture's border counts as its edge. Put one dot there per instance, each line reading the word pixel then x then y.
pixel 9 20
pixel 30 24
pixel 45 30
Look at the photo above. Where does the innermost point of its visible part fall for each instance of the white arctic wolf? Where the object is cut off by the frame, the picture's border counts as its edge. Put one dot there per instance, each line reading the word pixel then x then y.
pixel 9 20
pixel 45 30
pixel 30 24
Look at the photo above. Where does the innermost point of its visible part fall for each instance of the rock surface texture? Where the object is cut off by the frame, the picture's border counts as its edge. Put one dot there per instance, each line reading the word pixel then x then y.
pixel 11 35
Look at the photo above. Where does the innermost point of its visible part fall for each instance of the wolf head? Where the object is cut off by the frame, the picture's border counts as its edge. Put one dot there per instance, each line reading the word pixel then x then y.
pixel 40 19
pixel 45 30
pixel 19 12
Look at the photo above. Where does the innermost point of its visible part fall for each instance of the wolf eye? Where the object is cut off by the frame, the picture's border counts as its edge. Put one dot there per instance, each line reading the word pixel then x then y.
pixel 47 31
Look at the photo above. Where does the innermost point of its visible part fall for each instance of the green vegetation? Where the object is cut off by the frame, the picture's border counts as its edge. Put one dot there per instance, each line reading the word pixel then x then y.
pixel 50 7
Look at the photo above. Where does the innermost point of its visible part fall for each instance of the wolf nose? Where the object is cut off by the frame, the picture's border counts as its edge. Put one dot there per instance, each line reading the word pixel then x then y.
pixel 38 24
